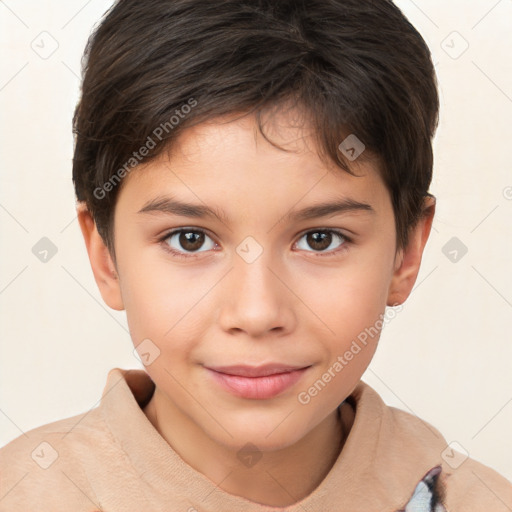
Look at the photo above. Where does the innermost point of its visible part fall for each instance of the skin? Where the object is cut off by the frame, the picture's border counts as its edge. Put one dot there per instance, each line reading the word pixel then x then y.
pixel 298 303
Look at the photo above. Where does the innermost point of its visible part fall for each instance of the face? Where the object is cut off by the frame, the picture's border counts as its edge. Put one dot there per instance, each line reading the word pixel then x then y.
pixel 244 276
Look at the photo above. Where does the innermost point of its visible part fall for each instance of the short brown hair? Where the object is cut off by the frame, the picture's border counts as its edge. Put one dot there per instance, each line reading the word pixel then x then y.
pixel 352 66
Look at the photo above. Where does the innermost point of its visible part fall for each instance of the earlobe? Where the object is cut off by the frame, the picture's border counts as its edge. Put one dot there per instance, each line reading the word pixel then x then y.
pixel 103 267
pixel 408 260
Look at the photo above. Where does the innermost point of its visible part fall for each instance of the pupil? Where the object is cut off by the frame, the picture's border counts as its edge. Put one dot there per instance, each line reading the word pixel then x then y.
pixel 189 240
pixel 319 242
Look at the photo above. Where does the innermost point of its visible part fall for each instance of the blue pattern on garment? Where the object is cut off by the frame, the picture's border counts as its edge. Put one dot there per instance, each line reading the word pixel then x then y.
pixel 426 495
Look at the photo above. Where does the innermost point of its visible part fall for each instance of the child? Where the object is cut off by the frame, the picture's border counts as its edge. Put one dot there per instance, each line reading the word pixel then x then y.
pixel 219 146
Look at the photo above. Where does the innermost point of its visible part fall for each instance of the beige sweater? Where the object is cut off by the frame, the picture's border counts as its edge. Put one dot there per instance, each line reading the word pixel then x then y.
pixel 111 458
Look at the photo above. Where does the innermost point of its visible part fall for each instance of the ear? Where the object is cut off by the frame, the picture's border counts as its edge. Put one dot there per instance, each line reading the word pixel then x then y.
pixel 408 260
pixel 103 267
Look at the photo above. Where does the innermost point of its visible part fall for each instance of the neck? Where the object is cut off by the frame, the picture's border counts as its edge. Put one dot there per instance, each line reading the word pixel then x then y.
pixel 280 478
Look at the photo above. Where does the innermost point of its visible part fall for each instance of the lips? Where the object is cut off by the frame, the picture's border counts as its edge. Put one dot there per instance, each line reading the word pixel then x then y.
pixel 256 382
pixel 255 371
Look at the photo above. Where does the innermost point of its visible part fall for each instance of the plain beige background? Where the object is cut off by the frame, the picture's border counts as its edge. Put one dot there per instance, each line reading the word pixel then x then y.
pixel 446 357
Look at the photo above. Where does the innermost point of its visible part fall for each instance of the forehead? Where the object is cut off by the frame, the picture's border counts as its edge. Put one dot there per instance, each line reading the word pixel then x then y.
pixel 228 157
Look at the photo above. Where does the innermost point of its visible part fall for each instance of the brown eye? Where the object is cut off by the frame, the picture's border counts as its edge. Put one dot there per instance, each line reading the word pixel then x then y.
pixel 191 241
pixel 188 240
pixel 321 240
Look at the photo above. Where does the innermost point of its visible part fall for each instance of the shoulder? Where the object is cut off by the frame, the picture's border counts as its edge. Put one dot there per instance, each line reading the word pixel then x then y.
pixel 46 468
pixel 465 483
pixel 407 449
pixel 473 486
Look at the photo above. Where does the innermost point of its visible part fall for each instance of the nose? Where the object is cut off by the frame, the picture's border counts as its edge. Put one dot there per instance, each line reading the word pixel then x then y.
pixel 256 300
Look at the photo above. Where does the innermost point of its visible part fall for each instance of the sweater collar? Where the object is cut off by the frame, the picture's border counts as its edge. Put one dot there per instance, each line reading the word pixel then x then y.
pixel 366 463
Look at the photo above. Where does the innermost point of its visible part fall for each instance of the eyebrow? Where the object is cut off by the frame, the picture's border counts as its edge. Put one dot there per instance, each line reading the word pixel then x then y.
pixel 168 205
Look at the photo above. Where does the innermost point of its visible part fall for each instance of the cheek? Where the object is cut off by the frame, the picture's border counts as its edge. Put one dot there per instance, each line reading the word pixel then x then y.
pixel 163 305
pixel 351 301
pixel 353 293
pixel 151 303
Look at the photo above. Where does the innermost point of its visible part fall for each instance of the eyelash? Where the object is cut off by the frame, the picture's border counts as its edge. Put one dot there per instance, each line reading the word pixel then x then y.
pixel 343 247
